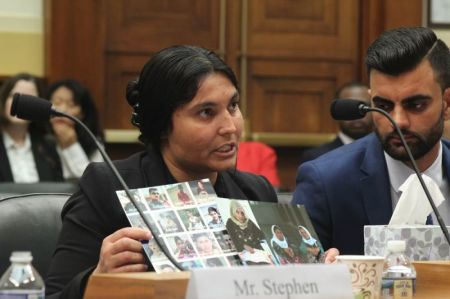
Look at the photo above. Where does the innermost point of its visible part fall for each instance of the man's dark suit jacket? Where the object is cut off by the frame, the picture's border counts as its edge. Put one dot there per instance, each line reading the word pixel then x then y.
pixel 94 212
pixel 316 152
pixel 45 156
pixel 347 189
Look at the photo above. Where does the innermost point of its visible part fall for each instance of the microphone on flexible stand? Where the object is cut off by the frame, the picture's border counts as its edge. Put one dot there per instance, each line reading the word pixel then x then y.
pixel 37 109
pixel 344 109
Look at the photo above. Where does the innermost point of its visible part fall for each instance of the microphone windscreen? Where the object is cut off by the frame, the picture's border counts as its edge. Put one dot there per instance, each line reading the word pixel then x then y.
pixel 343 109
pixel 30 107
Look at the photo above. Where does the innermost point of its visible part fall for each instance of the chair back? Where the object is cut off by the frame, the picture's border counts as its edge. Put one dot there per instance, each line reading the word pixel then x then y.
pixel 285 197
pixel 8 189
pixel 30 222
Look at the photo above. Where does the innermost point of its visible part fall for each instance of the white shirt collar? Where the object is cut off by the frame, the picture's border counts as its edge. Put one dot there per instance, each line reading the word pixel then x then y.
pixel 399 171
pixel 345 138
pixel 11 144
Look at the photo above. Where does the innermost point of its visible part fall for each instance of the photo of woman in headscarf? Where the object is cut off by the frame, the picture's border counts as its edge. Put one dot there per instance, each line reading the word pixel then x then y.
pixel 310 249
pixel 246 236
pixel 284 251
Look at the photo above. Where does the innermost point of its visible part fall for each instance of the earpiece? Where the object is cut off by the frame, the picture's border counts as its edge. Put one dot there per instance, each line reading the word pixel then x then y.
pixel 133 96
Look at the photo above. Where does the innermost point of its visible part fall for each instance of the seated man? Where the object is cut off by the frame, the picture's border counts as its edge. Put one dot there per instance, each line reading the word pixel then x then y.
pixel 349 130
pixel 358 184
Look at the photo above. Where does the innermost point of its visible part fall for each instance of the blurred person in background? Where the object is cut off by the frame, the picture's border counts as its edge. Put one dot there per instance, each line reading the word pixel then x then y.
pixel 75 148
pixel 349 130
pixel 26 155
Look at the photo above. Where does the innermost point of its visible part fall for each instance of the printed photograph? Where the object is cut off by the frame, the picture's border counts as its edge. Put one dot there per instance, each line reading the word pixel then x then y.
pixel 181 247
pixel 206 244
pixel 203 191
pixel 164 268
pixel 191 264
pixel 215 262
pixel 126 203
pixel 234 260
pixel 168 222
pixel 243 229
pixel 212 216
pixel 155 198
pixel 225 242
pixel 191 219
pixel 180 194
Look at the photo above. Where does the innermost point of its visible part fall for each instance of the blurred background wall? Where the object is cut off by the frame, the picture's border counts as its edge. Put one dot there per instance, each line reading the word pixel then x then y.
pixel 290 55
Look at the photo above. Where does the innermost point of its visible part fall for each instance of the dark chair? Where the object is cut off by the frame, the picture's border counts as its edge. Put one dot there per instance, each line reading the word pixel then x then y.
pixel 8 189
pixel 30 222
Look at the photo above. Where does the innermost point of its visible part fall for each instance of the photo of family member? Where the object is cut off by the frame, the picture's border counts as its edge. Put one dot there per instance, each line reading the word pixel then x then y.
pixel 164 268
pixel 128 206
pixel 191 219
pixel 225 242
pixel 191 264
pixel 310 249
pixel 205 244
pixel 154 199
pixel 202 190
pixel 234 260
pixel 153 251
pixel 246 236
pixel 215 218
pixel 137 221
pixel 182 247
pixel 285 252
pixel 180 195
pixel 168 222
pixel 215 262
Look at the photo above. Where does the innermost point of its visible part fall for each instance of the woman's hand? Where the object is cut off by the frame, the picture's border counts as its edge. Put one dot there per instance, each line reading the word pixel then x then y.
pixel 329 256
pixel 64 130
pixel 122 251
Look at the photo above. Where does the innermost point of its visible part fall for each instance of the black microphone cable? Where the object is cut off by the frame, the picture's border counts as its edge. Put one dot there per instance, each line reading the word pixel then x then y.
pixel 45 109
pixel 362 109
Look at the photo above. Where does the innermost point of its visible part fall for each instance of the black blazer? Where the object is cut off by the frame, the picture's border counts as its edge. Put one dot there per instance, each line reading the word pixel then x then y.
pixel 94 212
pixel 45 156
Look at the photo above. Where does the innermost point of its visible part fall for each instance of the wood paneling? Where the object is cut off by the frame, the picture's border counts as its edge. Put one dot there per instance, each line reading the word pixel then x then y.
pixel 136 26
pixel 290 54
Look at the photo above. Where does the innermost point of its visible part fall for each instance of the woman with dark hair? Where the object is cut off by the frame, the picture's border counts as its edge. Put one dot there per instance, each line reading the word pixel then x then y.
pixel 26 156
pixel 186 106
pixel 75 147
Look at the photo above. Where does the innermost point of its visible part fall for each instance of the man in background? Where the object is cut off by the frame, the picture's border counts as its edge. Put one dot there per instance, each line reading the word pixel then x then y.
pixel 349 131
pixel 359 184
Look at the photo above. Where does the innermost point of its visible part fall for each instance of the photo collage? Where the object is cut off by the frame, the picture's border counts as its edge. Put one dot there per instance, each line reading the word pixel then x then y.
pixel 201 230
pixel 187 219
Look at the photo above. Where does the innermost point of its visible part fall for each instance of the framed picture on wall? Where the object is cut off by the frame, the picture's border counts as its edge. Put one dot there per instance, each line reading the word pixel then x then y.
pixel 438 13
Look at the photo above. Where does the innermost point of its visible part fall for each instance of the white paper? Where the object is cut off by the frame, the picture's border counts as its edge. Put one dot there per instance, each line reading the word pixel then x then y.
pixel 413 206
pixel 271 282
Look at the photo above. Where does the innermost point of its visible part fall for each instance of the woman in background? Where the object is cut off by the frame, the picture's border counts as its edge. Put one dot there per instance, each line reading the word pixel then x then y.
pixel 75 148
pixel 26 156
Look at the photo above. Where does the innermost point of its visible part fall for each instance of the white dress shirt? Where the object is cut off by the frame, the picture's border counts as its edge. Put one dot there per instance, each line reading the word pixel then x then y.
pixel 21 160
pixel 74 160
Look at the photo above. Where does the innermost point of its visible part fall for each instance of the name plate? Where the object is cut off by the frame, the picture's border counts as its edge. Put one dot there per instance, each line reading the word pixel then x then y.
pixel 270 282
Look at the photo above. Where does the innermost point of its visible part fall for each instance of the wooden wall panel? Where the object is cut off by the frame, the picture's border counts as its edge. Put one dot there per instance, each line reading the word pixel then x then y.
pixel 314 29
pixel 121 69
pixel 146 26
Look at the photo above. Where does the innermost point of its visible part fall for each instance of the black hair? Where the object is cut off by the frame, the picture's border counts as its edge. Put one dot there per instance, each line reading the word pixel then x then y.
pixel 212 209
pixel 402 49
pixel 82 97
pixel 349 85
pixel 169 80
pixel 5 90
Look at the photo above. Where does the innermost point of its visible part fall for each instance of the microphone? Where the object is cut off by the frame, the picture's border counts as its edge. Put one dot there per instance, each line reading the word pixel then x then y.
pixel 345 109
pixel 32 108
